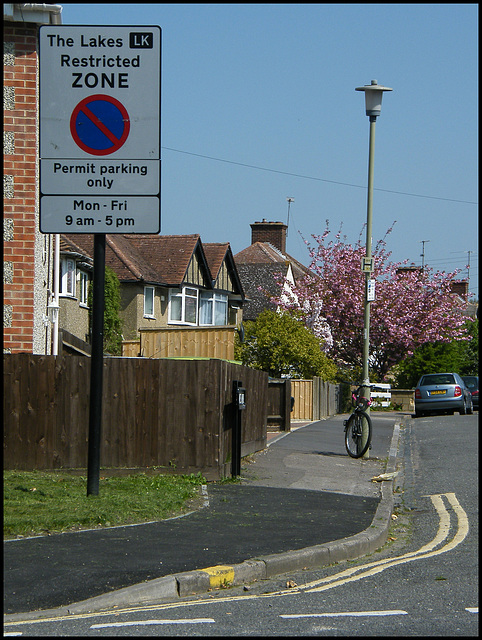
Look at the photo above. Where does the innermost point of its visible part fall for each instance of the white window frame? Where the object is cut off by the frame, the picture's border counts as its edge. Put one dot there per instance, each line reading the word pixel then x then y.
pixel 152 291
pixel 184 295
pixel 83 288
pixel 214 299
pixel 67 280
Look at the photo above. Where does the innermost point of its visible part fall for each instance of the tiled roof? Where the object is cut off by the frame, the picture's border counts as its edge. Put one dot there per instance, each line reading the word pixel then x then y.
pixel 215 253
pixel 73 243
pixel 260 266
pixel 168 257
pixel 156 259
pixel 258 253
pixel 146 257
pixel 266 253
pixel 260 282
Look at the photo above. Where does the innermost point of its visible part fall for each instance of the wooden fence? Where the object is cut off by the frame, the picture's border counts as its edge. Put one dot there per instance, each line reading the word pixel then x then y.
pixel 302 392
pixel 173 414
pixel 314 399
pixel 183 342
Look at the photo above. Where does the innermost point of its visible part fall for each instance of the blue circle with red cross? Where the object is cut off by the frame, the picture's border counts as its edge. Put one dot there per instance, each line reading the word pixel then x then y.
pixel 100 125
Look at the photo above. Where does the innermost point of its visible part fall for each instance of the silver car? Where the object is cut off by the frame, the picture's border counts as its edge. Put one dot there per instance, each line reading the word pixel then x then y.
pixel 442 392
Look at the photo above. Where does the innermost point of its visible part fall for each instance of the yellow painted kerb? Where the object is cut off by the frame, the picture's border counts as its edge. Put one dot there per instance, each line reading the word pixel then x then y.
pixel 220 575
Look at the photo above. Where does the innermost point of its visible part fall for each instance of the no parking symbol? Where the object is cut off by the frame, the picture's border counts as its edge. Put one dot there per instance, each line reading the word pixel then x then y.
pixel 100 125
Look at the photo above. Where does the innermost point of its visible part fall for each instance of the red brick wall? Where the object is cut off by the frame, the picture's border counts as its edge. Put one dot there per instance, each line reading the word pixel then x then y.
pixel 19 169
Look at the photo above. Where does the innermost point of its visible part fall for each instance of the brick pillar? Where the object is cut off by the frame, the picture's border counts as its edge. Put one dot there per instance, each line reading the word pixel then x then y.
pixel 19 182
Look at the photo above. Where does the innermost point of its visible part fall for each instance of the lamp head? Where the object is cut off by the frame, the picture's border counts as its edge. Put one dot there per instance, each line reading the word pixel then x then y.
pixel 373 97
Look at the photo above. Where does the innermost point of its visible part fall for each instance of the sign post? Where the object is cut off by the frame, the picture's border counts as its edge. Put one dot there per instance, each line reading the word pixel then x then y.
pixel 96 367
pixel 100 155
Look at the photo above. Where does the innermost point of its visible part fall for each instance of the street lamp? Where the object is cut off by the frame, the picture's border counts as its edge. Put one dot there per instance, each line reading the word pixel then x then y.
pixel 373 105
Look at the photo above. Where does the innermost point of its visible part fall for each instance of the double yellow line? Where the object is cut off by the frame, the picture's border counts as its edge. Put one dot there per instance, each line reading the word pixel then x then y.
pixel 427 551
pixel 219 575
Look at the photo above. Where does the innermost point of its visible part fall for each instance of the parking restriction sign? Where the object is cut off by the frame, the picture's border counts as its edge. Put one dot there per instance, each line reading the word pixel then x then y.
pixel 100 125
pixel 100 98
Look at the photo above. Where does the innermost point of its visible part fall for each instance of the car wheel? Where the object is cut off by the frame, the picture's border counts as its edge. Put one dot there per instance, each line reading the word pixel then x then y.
pixel 463 410
pixel 470 409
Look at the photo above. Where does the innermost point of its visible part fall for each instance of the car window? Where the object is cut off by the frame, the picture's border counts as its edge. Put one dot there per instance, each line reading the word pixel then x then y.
pixel 471 383
pixel 444 378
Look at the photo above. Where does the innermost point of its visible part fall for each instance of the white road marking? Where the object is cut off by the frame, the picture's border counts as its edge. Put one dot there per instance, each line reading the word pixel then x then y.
pixel 472 609
pixel 139 623
pixel 341 614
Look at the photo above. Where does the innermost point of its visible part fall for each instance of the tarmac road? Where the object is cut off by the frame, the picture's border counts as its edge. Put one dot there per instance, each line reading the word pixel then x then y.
pixel 298 502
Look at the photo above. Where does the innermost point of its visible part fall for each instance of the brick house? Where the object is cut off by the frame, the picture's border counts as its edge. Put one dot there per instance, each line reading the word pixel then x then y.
pixel 27 266
pixel 261 264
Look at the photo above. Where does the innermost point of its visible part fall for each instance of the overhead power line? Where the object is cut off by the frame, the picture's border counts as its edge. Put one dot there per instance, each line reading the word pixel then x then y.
pixel 298 175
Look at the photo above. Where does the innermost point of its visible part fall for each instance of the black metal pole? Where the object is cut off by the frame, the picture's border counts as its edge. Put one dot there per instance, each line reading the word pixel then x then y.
pixel 96 364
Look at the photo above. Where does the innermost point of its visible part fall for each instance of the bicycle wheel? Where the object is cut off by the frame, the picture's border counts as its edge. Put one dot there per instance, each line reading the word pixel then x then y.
pixel 354 434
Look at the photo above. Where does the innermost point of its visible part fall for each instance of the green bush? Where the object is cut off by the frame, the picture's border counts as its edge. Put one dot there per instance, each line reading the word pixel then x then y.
pixel 281 345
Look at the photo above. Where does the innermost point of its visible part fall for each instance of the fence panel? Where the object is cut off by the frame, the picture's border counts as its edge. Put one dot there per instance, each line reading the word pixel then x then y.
pixel 173 414
pixel 188 342
pixel 302 392
pixel 131 348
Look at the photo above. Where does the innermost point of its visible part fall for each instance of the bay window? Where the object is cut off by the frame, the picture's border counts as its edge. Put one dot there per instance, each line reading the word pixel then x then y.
pixel 213 308
pixel 183 305
pixel 194 307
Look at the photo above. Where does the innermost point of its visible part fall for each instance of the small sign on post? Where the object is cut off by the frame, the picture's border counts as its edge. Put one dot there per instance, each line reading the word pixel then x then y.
pixel 367 264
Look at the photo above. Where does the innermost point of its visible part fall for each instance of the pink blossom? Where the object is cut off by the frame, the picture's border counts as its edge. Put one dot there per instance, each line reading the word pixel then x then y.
pixel 412 307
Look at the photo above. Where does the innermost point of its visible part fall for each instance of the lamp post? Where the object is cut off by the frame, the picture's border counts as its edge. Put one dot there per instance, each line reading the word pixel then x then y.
pixel 373 105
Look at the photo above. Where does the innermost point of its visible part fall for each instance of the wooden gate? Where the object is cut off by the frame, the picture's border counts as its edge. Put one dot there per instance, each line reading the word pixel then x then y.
pixel 302 392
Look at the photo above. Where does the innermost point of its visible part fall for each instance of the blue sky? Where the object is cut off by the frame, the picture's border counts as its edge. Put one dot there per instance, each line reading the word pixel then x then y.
pixel 259 104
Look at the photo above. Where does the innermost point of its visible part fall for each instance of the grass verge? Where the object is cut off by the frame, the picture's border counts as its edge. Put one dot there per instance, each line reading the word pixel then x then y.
pixel 40 503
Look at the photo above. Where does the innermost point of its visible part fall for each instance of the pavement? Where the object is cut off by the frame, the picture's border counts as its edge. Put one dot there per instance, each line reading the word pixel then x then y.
pixel 302 503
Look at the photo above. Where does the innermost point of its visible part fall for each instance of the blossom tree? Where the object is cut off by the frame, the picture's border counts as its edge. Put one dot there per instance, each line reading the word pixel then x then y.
pixel 412 306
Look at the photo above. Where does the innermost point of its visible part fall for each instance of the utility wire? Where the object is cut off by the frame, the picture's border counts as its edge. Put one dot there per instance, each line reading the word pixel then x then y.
pixel 297 175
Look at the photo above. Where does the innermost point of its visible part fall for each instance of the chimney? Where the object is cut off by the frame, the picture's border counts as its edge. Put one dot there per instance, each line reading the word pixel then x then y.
pixel 412 269
pixel 460 288
pixel 272 232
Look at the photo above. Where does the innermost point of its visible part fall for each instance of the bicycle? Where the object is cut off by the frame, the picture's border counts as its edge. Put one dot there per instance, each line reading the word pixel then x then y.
pixel 354 425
